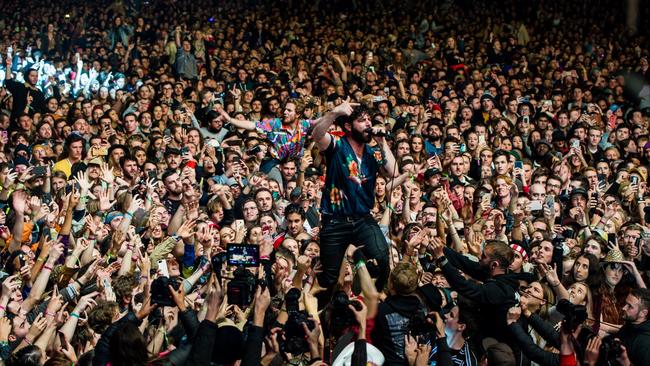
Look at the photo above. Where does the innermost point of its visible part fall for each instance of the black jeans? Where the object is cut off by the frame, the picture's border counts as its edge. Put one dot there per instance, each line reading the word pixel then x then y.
pixel 338 233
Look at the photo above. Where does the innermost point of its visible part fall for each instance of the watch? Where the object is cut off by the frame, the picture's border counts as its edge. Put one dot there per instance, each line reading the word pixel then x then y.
pixel 441 261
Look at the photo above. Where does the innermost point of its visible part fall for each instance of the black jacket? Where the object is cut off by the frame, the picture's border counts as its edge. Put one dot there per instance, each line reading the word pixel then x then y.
pixel 636 339
pixel 102 356
pixel 391 325
pixel 494 296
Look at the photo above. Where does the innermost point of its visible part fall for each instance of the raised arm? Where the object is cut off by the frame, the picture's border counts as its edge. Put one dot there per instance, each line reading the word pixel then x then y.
pixel 246 125
pixel 322 125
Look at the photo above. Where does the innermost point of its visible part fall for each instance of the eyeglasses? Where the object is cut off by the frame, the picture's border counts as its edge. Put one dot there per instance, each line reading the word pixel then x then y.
pixel 618 267
pixel 609 203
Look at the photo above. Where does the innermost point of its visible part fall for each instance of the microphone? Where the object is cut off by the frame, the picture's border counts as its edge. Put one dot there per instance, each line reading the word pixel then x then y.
pixel 372 132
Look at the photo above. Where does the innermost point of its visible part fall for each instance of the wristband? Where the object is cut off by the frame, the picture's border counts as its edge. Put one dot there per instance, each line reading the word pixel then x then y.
pixel 127 213
pixel 359 265
pixel 45 266
pixel 47 313
pixel 266 257
pixel 74 315
pixel 3 308
pixel 358 256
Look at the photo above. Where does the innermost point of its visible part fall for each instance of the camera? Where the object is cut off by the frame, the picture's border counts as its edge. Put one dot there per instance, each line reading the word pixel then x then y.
pixel 574 315
pixel 160 293
pixel 244 255
pixel 294 333
pixel 341 316
pixel 422 327
pixel 241 288
pixel 610 350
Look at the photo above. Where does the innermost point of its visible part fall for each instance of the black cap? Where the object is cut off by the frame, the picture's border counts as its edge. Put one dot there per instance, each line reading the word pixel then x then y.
pixel 172 151
pixel 431 172
pixel 579 190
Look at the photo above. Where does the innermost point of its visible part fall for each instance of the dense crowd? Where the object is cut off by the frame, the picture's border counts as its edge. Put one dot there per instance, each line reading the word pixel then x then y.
pixel 326 182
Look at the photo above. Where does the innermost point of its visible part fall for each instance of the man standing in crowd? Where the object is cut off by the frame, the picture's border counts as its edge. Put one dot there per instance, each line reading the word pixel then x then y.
pixel 352 166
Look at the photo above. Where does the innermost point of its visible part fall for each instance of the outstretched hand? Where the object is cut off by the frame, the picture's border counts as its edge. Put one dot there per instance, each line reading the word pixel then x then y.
pixel 345 109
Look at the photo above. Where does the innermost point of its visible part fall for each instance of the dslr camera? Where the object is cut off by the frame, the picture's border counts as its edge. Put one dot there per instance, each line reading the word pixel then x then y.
pixel 241 288
pixel 574 315
pixel 294 333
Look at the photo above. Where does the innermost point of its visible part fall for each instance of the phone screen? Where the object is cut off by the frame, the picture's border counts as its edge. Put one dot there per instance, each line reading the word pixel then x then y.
pixel 246 255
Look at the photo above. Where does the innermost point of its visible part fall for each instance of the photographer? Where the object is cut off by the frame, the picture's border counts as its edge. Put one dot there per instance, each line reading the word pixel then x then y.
pixel 210 334
pixel 635 333
pixel 394 324
pixel 496 295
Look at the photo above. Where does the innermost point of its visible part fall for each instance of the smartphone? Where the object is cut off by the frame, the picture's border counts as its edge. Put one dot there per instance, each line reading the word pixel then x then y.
pixel 101 151
pixel 634 180
pixel 254 150
pixel 246 255
pixel 162 267
pixel 39 171
pixel 481 139
pixel 185 150
pixel 485 199
pixel 535 206
pixel 550 202
pixel 151 174
pixel 611 239
pixel 519 164
pixel 575 143
pixel 236 159
pixel 4 135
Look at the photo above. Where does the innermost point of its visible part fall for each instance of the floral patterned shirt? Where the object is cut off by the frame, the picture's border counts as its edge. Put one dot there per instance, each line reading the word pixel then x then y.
pixel 350 184
pixel 284 143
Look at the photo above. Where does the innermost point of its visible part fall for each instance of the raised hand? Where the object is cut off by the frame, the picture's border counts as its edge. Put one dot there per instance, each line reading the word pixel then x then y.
pixel 83 181
pixel 19 200
pixel 10 284
pixel 105 203
pixel 345 109
pixel 10 179
pixel 136 202
pixel 186 230
pixel 107 173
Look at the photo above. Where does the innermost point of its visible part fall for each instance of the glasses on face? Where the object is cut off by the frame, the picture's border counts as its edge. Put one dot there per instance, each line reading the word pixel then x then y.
pixel 618 267
pixel 609 202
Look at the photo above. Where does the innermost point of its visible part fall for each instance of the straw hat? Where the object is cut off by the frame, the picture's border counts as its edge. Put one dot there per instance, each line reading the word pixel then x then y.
pixel 614 256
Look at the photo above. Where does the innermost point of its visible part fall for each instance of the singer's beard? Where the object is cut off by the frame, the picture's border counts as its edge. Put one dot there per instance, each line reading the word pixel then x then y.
pixel 361 136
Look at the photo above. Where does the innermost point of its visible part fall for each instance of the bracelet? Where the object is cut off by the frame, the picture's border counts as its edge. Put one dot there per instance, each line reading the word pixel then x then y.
pixel 556 285
pixel 39 259
pixel 79 283
pixel 127 213
pixel 388 206
pixel 3 308
pixel 360 264
pixel 45 266
pixel 47 313
pixel 74 315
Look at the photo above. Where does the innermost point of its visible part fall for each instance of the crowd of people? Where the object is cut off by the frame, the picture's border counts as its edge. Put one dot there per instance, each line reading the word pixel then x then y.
pixel 326 182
